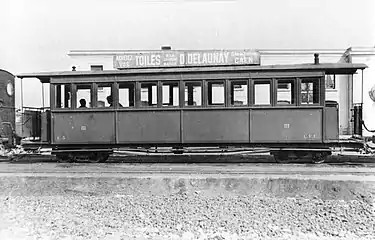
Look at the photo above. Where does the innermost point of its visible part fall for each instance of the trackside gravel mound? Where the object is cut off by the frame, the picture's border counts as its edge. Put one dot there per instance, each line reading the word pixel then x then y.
pixel 185 207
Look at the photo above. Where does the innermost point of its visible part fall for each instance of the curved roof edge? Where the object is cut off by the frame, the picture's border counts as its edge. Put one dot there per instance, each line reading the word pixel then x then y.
pixel 2 70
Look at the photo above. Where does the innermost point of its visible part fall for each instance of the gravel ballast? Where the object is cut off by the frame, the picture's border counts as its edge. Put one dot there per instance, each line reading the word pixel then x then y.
pixel 191 207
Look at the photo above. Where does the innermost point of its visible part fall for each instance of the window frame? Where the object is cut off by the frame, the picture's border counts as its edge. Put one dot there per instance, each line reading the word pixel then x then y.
pixel 229 95
pixel 95 95
pixel 202 83
pixel 157 105
pixel 293 91
pixel 319 89
pixel 206 93
pixel 179 93
pixel 117 90
pixel 96 67
pixel 262 81
pixel 75 89
pixel 56 93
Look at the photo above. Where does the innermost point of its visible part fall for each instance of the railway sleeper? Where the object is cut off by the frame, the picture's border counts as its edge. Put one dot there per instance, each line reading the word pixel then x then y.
pixel 316 156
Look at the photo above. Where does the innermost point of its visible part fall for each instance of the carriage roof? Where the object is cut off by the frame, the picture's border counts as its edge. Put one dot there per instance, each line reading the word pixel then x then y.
pixel 328 68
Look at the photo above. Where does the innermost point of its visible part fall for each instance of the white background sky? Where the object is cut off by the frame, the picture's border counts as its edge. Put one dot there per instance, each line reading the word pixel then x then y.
pixel 36 35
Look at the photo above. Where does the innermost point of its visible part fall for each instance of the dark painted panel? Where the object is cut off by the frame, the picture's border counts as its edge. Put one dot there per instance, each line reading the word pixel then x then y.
pixel 332 123
pixel 84 127
pixel 7 105
pixel 216 126
pixel 283 125
pixel 153 127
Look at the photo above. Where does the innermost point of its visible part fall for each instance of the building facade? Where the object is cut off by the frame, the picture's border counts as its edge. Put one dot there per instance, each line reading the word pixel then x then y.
pixel 344 89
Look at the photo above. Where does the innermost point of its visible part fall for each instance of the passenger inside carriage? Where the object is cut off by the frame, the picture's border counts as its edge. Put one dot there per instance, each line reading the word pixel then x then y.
pixel 110 101
pixel 83 103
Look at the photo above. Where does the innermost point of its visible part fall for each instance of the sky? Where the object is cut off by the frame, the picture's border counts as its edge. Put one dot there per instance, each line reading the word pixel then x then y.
pixel 37 35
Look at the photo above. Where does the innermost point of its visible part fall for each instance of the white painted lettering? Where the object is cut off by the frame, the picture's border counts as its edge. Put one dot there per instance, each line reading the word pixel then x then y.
pixel 190 58
pixel 140 61
pixel 216 58
pixel 182 59
pixel 226 56
pixel 196 59
pixel 157 59
pixel 221 58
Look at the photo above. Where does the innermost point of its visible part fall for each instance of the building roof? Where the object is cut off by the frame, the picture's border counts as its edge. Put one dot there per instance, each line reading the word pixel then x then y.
pixel 261 51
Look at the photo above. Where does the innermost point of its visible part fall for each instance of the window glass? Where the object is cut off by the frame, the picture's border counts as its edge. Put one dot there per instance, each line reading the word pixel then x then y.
pixel 238 93
pixel 105 97
pixel 215 93
pixel 330 81
pixel 193 94
pixel 310 91
pixel 63 96
pixel 286 92
pixel 262 94
pixel 96 67
pixel 171 93
pixel 149 96
pixel 126 94
pixel 84 96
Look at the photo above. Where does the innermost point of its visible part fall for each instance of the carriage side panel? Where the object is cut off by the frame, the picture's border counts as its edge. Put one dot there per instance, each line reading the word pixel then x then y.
pixel 148 127
pixel 83 127
pixel 216 126
pixel 286 125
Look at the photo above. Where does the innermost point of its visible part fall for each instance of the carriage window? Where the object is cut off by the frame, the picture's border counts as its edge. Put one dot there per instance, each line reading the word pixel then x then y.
pixel 105 97
pixel 286 92
pixel 215 93
pixel 310 91
pixel 330 81
pixel 149 96
pixel 171 94
pixel 238 93
pixel 193 94
pixel 262 93
pixel 63 96
pixel 126 94
pixel 84 96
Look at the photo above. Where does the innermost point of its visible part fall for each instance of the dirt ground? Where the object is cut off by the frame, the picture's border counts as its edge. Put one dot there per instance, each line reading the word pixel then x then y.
pixel 187 206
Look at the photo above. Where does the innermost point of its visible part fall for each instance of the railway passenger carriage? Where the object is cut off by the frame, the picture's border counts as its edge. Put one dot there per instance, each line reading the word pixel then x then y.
pixel 280 107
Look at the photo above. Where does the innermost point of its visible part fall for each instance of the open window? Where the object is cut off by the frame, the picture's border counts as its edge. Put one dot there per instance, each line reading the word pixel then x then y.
pixel 83 94
pixel 286 92
pixel 310 93
pixel 262 92
pixel 63 96
pixel 238 93
pixel 193 93
pixel 149 96
pixel 126 92
pixel 215 93
pixel 104 95
pixel 171 93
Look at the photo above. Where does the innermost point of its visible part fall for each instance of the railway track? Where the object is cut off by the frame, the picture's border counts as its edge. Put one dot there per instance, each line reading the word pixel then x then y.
pixel 260 158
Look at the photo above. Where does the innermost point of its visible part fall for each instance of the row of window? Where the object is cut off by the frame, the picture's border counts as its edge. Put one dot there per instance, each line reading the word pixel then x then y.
pixel 330 80
pixel 101 95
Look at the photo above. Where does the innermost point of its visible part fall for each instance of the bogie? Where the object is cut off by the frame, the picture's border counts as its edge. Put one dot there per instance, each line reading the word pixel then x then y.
pixel 287 156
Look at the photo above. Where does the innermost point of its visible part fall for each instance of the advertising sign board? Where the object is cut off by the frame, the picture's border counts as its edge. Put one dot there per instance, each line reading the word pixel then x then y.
pixel 169 58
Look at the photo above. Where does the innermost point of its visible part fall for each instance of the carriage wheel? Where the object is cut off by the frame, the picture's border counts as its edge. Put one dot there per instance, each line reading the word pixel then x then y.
pixel 281 157
pixel 65 158
pixel 98 157
pixel 318 158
